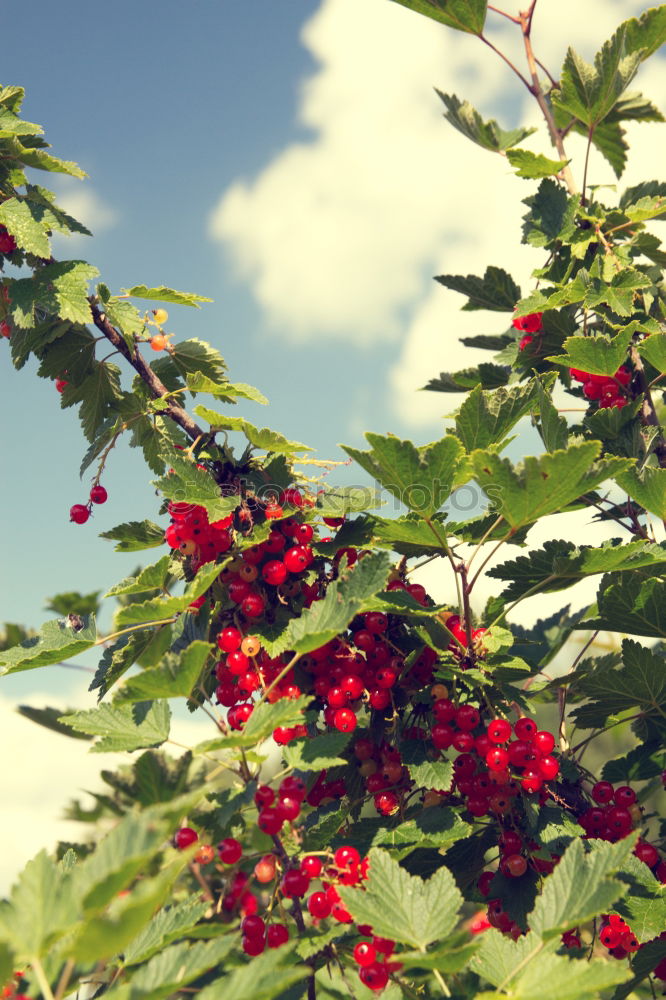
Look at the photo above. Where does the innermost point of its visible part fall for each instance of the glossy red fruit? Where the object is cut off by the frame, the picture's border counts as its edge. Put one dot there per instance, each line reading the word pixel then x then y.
pixel 364 954
pixel 98 494
pixel 514 865
pixel 319 905
pixel 624 796
pixel 497 759
pixel 229 640
pixel 346 857
pixel 374 976
pixel 295 883
pixel 253 946
pixel 345 720
pixel 253 926
pixel 264 870
pixel 312 866
pixel 648 854
pixel 543 742
pixel 298 558
pixel 253 606
pixel 277 935
pixel 548 767
pixel 184 837
pixel 78 513
pixel 467 718
pixel 60 383
pixel 274 572
pixel 603 792
pixel 528 324
pixel 498 731
pixel 294 787
pixel 270 821
pixel 525 728
pixel 229 850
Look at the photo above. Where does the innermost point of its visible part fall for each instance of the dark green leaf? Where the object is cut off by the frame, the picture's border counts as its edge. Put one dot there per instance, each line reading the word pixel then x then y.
pixel 496 291
pixel 164 294
pixel 123 727
pixel 534 165
pixel 485 418
pixel 174 677
pixel 49 718
pixel 463 15
pixel 318 753
pixel 487 134
pixel 487 375
pixel 135 535
pixel 631 603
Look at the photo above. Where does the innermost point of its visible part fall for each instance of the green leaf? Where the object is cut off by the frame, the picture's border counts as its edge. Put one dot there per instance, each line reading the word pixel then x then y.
pixel 581 886
pixel 39 159
pixel 542 485
pixel 487 134
pixel 125 317
pixel 486 418
pixel 57 640
pixel 534 165
pixel 421 478
pixel 446 959
pixel 29 233
pixel 630 603
pixel 527 970
pixel 488 376
pixel 653 349
pixel 318 753
pixel 644 906
pixel 150 578
pixel 640 684
pixel 423 771
pixel 597 354
pixel 174 677
pixel 98 393
pixel 169 971
pixel 619 293
pixel 118 658
pixel 168 925
pixel 402 906
pixel 646 33
pixel 228 391
pixel 259 437
pixel 189 357
pixel 139 613
pixel 189 484
pixel 163 294
pixel 344 500
pixel 48 717
pixel 552 425
pixel 72 602
pixel 463 15
pixel 647 487
pixel 344 599
pixel 590 92
pixel 264 978
pixel 640 764
pixel 123 727
pixel 41 908
pixel 559 564
pixel 264 719
pixel 409 535
pixel 117 859
pixel 135 535
pixel 549 211
pixel 496 290
pixel 11 124
pixel 59 289
pixel 433 828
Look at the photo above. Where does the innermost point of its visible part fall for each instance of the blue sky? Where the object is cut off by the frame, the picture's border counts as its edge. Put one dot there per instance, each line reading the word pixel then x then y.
pixel 290 161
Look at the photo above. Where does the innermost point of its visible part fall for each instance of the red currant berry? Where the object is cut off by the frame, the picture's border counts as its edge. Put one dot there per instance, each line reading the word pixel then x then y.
pixel 602 792
pixel 298 558
pixel 274 572
pixel 345 720
pixel 346 857
pixel 277 935
pixel 648 854
pixel 624 796
pixel 229 640
pixel 253 926
pixel 467 718
pixel 253 946
pixel 514 865
pixel 229 851
pixel 253 606
pixel 184 837
pixel 270 821
pixel 98 494
pixel 548 767
pixel 374 976
pixel 499 731
pixel 78 513
pixel 364 954
pixel 319 905
pixel 525 728
pixel 295 883
pixel 312 866
pixel 497 759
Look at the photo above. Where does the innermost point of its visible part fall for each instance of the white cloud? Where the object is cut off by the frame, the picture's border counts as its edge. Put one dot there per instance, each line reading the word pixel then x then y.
pixel 338 235
pixel 81 201
pixel 53 770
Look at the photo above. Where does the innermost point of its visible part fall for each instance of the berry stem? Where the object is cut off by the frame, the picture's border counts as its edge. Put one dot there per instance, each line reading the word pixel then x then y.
pixel 40 976
pixel 134 628
pixel 65 977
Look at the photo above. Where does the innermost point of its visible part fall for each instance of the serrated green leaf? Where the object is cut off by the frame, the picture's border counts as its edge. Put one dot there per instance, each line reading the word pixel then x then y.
pixel 150 578
pixel 421 478
pixel 59 289
pixel 97 393
pixel 552 425
pixel 159 608
pixel 264 978
pixel 653 349
pixel 463 15
pixel 495 291
pixel 640 683
pixel 167 925
pixel 446 959
pixel 631 603
pixel 487 134
pixel 485 418
pixel 597 354
pixel 11 124
pixel 170 970
pixel 640 764
pixel 57 640
pixel 123 727
pixel 647 487
pixel 344 500
pixel 644 906
pixel 163 294
pixel 260 437
pixel 534 165
pixel 527 970
pixel 409 535
pixel 619 293
pixel 264 719
pixel 29 233
pixel 542 485
pixel 433 828
pixel 318 753
pixel 39 159
pixel 125 317
pixel 189 484
pixel 135 535
pixel 117 659
pixel 581 887
pixel 549 210
pixel 325 619
pixel 174 677
pixel 48 717
pixel 559 564
pixel 488 376
pixel 228 391
pixel 41 908
pixel 402 906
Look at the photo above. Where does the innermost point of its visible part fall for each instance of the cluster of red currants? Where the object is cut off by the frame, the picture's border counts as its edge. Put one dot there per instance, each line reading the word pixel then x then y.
pixel 608 390
pixel 528 325
pixel 9 991
pixel 384 775
pixel 617 936
pixel 194 535
pixel 79 512
pixel 613 815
